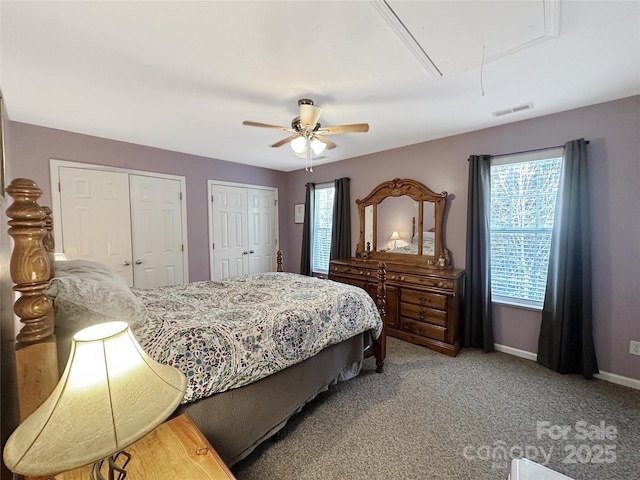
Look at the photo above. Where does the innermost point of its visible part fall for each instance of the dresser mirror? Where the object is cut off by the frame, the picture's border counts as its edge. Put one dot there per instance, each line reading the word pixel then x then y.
pixel 402 220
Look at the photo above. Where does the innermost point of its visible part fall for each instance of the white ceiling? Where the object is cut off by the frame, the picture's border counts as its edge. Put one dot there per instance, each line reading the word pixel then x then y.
pixel 183 75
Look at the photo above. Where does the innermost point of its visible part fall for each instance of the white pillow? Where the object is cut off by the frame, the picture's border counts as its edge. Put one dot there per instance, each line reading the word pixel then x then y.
pixel 86 292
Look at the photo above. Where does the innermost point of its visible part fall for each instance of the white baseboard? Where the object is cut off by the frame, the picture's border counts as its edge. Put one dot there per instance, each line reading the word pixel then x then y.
pixel 619 379
pixel 606 376
pixel 516 351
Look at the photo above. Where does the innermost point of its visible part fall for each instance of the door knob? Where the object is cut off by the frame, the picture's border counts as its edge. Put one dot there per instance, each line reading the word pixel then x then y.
pixel 245 253
pixel 138 262
pixel 126 263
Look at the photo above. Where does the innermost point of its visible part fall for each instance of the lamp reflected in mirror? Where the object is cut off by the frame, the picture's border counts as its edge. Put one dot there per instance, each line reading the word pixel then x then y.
pixel 395 236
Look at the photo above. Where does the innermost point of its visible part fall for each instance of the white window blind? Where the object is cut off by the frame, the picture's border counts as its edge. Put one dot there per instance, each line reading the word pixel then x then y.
pixel 523 200
pixel 322 221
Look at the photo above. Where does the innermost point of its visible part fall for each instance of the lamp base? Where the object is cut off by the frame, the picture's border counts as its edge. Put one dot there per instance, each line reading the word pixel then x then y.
pixel 117 467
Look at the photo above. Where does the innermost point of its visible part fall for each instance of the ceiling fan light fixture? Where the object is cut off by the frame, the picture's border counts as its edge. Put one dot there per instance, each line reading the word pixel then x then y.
pixel 299 145
pixel 317 146
pixel 308 139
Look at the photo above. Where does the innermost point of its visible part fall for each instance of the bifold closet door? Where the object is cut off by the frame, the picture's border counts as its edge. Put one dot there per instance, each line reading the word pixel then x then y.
pixel 156 219
pixel 96 223
pixel 244 229
pixel 229 224
pixel 261 206
pixel 132 223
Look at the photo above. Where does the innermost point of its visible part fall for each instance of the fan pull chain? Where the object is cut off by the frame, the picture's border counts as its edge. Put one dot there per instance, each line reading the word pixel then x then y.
pixel 309 157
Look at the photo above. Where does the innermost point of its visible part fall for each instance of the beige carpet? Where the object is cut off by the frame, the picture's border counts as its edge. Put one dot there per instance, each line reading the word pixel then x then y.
pixel 430 416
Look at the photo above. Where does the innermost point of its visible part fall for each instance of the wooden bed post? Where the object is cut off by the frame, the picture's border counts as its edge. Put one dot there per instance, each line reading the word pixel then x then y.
pixel 279 261
pixel 380 345
pixel 36 355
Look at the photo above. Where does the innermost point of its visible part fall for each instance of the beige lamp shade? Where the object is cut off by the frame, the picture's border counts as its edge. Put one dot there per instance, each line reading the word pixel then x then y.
pixel 394 236
pixel 110 394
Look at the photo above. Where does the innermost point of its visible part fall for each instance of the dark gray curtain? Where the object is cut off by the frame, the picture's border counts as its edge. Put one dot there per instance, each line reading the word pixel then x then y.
pixel 341 225
pixel 305 257
pixel 478 323
pixel 566 338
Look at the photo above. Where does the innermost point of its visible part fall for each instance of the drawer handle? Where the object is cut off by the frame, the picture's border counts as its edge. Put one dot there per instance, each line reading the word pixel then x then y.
pixel 422 299
pixel 441 284
pixel 368 274
pixel 401 279
pixel 361 272
pixel 422 315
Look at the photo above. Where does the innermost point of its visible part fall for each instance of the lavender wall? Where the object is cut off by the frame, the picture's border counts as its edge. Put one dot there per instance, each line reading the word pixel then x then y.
pixel 33 147
pixel 613 129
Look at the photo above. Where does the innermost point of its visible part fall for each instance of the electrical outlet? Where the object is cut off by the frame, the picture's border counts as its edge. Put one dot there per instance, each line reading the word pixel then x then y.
pixel 634 347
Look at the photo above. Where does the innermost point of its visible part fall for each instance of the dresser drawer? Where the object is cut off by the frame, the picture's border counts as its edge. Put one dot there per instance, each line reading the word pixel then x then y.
pixel 352 271
pixel 441 283
pixel 427 299
pixel 424 314
pixel 424 329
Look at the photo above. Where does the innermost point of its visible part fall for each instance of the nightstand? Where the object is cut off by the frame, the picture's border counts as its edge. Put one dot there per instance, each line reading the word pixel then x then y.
pixel 174 450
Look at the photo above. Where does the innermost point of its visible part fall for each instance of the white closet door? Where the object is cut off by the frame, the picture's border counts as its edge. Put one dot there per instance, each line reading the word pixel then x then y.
pixel 95 218
pixel 229 224
pixel 156 219
pixel 261 230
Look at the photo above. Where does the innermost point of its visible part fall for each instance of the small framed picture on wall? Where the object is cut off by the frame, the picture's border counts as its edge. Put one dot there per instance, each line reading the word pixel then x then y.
pixel 298 213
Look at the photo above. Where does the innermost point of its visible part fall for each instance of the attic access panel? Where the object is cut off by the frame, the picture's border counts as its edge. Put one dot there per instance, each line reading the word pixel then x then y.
pixel 453 33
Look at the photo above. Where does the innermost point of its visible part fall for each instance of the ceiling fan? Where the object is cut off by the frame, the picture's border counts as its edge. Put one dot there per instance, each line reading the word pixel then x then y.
pixel 308 134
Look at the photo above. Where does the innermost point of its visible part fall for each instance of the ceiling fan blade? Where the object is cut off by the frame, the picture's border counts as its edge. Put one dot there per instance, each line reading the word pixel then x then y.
pixel 357 127
pixel 309 115
pixel 266 125
pixel 284 141
pixel 330 145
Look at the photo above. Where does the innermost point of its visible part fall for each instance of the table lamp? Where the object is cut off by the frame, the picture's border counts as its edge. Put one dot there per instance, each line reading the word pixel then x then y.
pixel 111 394
pixel 395 237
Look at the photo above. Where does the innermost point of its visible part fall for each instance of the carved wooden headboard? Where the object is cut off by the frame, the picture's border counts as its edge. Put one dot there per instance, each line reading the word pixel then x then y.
pixel 31 269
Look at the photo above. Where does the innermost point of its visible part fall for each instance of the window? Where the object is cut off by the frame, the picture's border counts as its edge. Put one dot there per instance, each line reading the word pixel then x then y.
pixel 523 199
pixel 321 233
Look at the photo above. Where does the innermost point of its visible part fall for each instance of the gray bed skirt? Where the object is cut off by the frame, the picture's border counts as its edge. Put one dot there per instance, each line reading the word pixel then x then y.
pixel 236 421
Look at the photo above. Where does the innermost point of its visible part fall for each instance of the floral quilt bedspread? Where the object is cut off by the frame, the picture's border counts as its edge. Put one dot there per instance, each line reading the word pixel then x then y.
pixel 227 334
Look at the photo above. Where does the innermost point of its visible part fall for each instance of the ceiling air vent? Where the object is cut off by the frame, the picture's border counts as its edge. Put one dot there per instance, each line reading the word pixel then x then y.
pixel 519 108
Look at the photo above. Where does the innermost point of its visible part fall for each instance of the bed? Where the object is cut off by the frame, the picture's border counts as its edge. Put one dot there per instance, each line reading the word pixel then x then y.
pixel 235 407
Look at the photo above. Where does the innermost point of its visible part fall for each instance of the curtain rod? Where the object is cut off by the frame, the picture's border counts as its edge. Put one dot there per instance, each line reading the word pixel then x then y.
pixel 529 151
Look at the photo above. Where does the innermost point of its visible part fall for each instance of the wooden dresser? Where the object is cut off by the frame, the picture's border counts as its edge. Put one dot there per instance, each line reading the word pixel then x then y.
pixel 423 302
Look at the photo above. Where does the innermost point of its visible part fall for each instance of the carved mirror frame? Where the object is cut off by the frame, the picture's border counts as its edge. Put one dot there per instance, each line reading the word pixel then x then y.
pixel 420 194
